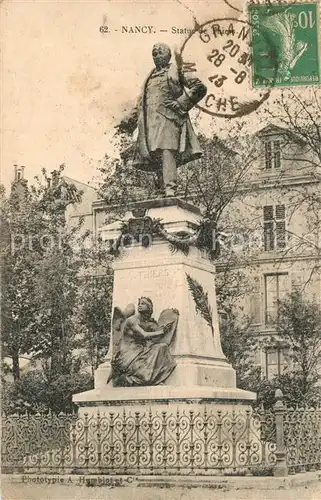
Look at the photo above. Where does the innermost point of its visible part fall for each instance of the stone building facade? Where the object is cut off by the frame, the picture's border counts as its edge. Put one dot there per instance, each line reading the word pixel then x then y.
pixel 280 204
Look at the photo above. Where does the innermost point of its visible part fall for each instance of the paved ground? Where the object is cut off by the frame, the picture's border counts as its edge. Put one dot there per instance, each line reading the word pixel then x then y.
pixel 21 491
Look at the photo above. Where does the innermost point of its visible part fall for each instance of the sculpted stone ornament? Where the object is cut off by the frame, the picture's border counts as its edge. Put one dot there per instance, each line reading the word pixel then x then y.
pixel 141 354
pixel 166 138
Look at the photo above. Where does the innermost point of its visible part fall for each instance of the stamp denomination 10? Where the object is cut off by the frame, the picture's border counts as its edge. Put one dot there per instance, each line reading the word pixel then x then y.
pixel 285 44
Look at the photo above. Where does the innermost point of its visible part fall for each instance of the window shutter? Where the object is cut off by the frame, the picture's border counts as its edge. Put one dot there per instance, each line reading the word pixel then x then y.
pixel 280 212
pixel 268 212
pixel 268 228
pixel 277 154
pixel 280 234
pixel 280 226
pixel 268 236
pixel 268 155
pixel 271 298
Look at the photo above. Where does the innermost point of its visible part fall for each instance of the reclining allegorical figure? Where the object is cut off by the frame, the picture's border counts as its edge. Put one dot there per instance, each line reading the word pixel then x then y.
pixel 141 353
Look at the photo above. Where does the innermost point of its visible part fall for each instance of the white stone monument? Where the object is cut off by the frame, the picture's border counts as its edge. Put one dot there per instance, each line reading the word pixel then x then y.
pixel 202 375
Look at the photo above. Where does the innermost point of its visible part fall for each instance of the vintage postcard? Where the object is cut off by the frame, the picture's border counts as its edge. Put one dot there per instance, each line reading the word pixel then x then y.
pixel 160 249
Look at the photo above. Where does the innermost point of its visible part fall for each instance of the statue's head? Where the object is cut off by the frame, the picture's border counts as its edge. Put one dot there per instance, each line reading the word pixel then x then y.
pixel 145 306
pixel 161 54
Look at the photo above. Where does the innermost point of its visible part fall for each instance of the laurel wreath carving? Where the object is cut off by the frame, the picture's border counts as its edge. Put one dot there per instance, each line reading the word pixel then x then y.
pixel 179 242
pixel 202 238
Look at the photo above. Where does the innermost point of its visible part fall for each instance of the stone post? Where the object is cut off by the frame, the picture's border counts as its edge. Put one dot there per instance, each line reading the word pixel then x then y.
pixel 280 469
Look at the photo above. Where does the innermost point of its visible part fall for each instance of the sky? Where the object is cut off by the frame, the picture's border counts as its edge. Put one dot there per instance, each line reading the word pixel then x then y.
pixel 65 85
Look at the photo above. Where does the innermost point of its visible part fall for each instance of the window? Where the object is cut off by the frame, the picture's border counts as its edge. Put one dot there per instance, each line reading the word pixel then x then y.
pixel 272 154
pixel 276 286
pixel 274 227
pixel 276 360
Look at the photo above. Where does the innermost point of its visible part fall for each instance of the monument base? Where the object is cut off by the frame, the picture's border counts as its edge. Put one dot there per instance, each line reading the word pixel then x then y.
pixel 189 371
pixel 202 374
pixel 162 397
pixel 197 421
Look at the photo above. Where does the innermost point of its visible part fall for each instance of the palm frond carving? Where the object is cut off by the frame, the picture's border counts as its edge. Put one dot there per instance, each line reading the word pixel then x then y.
pixel 200 298
pixel 283 25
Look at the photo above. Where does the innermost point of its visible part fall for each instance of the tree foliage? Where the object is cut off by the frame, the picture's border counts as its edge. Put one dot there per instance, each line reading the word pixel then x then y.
pixel 299 327
pixel 36 217
pixel 239 346
pixel 94 319
pixel 300 119
pixel 35 392
pixel 44 290
pixel 299 331
pixel 291 385
pixel 17 274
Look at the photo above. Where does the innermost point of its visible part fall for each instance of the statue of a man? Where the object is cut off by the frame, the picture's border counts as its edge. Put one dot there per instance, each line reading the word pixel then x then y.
pixel 166 137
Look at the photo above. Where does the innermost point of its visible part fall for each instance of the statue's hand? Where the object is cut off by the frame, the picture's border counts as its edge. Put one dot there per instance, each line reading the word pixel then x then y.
pixel 174 106
pixel 167 328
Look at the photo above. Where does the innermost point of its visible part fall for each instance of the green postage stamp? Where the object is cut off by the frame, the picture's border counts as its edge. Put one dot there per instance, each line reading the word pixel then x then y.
pixel 285 44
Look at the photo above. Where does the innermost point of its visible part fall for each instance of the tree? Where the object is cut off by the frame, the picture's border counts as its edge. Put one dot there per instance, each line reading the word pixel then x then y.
pixel 50 280
pixel 55 273
pixel 300 118
pixel 17 261
pixel 299 327
pixel 39 271
pixel 94 318
pixel 239 346
pixel 120 182
pixel 291 387
pixel 54 303
pixel 33 392
pixel 298 330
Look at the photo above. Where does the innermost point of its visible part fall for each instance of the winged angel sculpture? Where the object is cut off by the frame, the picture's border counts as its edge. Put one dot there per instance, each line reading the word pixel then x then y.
pixel 283 25
pixel 141 354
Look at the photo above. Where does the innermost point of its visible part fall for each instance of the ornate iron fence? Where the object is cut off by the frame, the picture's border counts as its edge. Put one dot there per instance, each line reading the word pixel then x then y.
pixel 140 442
pixel 302 439
pixel 183 442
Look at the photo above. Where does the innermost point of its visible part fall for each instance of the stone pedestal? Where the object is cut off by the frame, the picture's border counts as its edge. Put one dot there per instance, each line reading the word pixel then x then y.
pixel 202 374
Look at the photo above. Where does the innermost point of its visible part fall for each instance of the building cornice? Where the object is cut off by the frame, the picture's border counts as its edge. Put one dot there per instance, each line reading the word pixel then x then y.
pixel 271 259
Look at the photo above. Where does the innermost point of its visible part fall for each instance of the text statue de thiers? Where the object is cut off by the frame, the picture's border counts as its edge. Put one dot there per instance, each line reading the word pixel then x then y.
pixel 166 138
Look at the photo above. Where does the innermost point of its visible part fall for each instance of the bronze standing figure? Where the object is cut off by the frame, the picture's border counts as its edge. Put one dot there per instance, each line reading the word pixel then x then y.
pixel 166 138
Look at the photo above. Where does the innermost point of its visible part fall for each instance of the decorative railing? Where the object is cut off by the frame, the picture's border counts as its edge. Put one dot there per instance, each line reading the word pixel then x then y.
pixel 211 441
pixel 141 442
pixel 302 439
